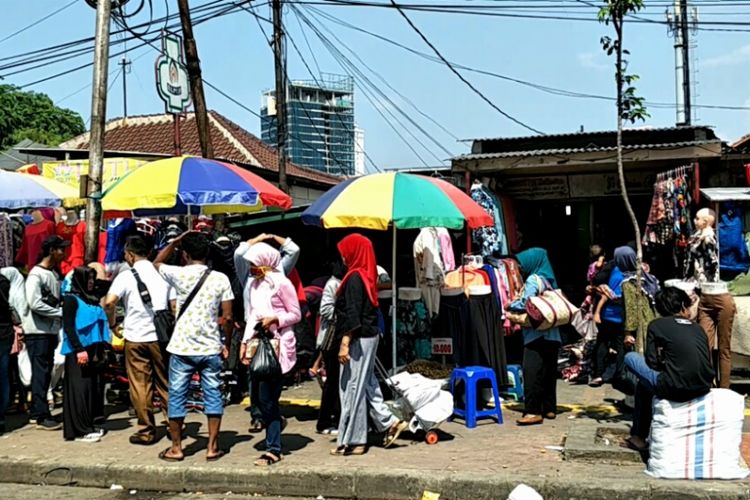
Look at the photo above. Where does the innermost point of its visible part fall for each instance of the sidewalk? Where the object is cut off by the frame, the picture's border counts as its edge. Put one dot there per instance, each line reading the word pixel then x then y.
pixel 486 462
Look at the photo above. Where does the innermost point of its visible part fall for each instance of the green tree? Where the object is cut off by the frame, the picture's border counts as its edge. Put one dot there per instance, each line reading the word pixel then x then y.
pixel 31 115
pixel 630 107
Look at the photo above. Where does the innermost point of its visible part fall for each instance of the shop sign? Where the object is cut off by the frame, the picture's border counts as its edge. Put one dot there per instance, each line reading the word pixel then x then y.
pixel 172 81
pixel 70 172
pixel 593 185
pixel 442 346
pixel 550 187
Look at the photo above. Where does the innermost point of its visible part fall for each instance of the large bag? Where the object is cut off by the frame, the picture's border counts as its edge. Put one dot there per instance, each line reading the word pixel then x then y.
pixel 585 325
pixel 24 366
pixel 265 363
pixel 699 439
pixel 549 309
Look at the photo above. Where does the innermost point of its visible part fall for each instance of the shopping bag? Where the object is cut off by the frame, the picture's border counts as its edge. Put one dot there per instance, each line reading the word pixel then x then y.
pixel 549 309
pixel 264 364
pixel 585 325
pixel 24 366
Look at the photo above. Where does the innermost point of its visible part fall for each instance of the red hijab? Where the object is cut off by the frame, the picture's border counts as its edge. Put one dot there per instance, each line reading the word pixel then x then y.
pixel 359 257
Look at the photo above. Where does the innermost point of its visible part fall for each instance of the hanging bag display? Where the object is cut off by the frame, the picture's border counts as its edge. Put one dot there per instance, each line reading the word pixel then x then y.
pixel 549 309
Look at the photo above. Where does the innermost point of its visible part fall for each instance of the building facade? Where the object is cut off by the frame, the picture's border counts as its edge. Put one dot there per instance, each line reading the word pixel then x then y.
pixel 321 129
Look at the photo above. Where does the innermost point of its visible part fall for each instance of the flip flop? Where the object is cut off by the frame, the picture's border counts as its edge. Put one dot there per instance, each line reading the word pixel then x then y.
pixel 339 452
pixel 216 457
pixel 163 456
pixel 256 427
pixel 632 446
pixel 393 434
pixel 356 450
pixel 267 459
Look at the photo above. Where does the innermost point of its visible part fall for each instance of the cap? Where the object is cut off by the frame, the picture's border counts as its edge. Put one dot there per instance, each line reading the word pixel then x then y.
pixel 55 242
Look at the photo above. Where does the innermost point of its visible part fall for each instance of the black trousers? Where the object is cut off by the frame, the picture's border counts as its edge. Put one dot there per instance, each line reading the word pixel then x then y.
pixel 611 335
pixel 81 403
pixel 41 349
pixel 330 404
pixel 540 376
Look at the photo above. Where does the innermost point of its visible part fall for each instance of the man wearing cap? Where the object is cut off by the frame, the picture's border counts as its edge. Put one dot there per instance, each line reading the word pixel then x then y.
pixel 43 296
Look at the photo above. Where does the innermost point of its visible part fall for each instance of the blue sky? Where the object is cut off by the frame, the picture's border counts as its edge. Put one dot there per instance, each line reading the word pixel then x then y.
pixel 562 54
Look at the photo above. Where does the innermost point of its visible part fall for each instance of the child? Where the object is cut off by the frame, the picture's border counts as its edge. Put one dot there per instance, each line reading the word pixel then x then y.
pixel 598 296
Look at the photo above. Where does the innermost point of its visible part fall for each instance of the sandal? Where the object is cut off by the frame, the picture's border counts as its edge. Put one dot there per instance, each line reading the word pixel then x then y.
pixel 267 459
pixel 256 427
pixel 216 457
pixel 339 452
pixel 394 433
pixel 640 449
pixel 356 450
pixel 163 456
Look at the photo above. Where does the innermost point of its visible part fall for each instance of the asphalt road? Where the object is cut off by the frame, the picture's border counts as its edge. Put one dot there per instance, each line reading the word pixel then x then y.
pixel 29 492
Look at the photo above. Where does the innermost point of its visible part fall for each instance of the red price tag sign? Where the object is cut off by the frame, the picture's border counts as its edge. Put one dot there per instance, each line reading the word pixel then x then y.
pixel 442 346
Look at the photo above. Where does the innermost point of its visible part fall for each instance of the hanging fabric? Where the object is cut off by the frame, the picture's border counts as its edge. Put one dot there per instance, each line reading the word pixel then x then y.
pixel 669 220
pixel 6 241
pixel 491 239
pixel 428 268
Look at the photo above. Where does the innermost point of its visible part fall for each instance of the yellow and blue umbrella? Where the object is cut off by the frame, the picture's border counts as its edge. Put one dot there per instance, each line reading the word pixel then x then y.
pixel 35 191
pixel 406 201
pixel 398 200
pixel 191 185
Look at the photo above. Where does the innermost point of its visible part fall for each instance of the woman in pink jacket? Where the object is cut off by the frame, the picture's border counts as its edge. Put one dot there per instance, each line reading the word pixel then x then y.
pixel 271 302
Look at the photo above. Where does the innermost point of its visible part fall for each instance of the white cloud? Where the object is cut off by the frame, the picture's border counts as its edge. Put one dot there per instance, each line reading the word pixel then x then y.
pixel 737 56
pixel 592 60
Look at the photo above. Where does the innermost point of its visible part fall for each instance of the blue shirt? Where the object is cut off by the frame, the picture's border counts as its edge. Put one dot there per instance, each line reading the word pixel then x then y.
pixel 613 310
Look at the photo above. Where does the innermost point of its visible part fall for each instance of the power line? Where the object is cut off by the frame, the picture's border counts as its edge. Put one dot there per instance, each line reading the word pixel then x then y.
pixel 459 75
pixel 38 21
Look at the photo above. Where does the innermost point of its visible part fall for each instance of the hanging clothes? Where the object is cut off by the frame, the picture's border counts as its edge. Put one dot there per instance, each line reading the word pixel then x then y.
pixel 117 232
pixel 428 268
pixel 491 239
pixel 74 254
pixel 733 254
pixel 6 241
pixel 483 345
pixel 31 246
pixel 465 277
pixel 453 321
pixel 412 327
pixel 446 249
pixel 669 218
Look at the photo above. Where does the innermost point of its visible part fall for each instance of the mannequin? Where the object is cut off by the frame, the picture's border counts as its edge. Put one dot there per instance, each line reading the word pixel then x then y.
pixel 74 230
pixel 716 309
pixel 33 236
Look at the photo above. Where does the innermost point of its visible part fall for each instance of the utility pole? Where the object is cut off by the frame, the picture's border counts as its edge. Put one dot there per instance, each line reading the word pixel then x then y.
pixel 196 80
pixel 98 118
pixel 125 64
pixel 679 26
pixel 281 117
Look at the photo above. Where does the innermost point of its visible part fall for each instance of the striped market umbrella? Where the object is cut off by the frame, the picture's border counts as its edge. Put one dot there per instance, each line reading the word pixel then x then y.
pixel 395 200
pixel 191 185
pixel 35 191
pixel 401 200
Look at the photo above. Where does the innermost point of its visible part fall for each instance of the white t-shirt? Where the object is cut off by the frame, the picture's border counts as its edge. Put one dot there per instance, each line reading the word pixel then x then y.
pixel 139 321
pixel 197 331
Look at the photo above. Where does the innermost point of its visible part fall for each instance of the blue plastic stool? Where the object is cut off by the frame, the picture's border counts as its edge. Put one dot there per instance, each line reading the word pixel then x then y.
pixel 471 375
pixel 515 379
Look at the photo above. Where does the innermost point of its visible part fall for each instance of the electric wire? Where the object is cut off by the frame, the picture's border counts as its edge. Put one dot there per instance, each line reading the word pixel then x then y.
pixel 38 21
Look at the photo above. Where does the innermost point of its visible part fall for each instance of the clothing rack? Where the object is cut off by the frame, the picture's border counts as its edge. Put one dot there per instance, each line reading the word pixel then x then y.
pixel 677 172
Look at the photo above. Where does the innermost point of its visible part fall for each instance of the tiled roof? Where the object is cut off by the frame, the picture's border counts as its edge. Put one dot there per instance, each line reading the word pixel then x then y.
pixel 154 134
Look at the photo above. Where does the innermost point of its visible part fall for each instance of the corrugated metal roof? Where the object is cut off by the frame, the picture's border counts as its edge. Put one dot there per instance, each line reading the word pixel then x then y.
pixel 585 133
pixel 567 151
pixel 727 194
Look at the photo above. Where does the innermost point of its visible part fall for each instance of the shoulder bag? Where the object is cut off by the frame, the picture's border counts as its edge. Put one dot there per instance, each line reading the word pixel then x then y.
pixel 550 308
pixel 163 320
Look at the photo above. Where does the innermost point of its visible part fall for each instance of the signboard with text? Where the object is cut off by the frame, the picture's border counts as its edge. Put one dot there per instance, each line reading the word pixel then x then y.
pixel 172 82
pixel 442 346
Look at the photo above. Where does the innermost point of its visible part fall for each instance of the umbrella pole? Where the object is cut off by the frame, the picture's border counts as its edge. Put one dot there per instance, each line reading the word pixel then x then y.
pixel 393 304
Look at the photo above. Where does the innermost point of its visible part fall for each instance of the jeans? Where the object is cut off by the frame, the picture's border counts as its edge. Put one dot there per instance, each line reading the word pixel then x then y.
pixel 41 348
pixel 269 393
pixel 5 346
pixel 644 393
pixel 181 371
pixel 252 389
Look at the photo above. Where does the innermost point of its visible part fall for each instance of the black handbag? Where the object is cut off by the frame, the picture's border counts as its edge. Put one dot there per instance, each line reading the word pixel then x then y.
pixel 264 365
pixel 164 320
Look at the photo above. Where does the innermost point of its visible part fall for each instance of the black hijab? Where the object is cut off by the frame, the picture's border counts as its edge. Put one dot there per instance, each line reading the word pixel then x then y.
pixel 83 284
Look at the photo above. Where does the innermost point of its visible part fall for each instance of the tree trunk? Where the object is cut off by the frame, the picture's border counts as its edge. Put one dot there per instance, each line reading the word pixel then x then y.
pixel 618 23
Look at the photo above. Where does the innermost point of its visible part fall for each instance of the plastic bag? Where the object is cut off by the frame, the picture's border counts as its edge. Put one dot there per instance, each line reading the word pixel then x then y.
pixel 264 365
pixel 24 367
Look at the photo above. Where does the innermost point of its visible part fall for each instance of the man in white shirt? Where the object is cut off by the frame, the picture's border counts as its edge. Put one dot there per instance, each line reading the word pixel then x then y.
pixel 145 357
pixel 196 345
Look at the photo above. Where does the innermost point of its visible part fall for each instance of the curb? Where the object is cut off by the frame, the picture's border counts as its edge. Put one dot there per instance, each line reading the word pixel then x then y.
pixel 360 483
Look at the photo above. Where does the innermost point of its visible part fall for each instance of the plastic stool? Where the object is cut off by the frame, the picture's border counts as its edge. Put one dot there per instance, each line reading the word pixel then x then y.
pixel 515 378
pixel 471 375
